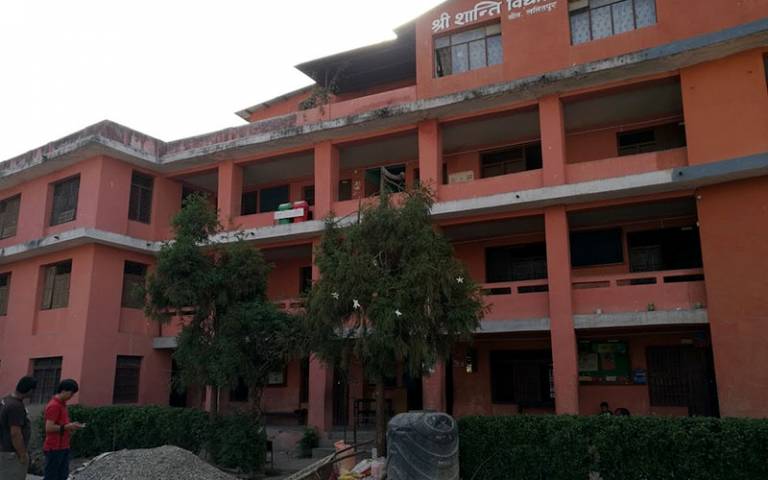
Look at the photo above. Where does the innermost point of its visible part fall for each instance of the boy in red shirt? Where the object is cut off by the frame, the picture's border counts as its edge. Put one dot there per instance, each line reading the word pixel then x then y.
pixel 58 429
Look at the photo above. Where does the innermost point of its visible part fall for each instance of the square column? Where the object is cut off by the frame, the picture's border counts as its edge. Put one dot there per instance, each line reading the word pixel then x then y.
pixel 230 191
pixel 563 335
pixel 431 155
pixel 552 124
pixel 434 389
pixel 320 395
pixel 326 178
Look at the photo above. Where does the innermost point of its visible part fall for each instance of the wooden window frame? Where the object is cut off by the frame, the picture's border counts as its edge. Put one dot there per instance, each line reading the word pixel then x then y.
pixel 9 216
pixel 47 372
pixel 127 367
pixel 56 285
pixel 140 201
pixel 5 289
pixel 525 150
pixel 64 211
pixel 130 299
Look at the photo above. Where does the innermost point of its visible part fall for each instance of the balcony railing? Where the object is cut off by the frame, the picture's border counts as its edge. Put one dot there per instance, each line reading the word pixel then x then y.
pixel 290 305
pixel 639 292
pixel 517 300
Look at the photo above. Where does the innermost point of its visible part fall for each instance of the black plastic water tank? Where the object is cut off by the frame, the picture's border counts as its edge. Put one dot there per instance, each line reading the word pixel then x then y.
pixel 422 446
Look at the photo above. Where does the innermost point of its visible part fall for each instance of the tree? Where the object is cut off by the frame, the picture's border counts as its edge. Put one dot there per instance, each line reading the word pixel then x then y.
pixel 390 292
pixel 232 331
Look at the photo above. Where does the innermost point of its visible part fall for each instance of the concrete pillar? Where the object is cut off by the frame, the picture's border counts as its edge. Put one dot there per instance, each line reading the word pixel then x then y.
pixel 434 389
pixel 320 395
pixel 563 335
pixel 230 191
pixel 552 126
pixel 431 155
pixel 326 178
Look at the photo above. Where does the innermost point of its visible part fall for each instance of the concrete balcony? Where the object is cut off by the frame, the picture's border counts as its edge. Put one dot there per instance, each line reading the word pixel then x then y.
pixel 356 106
pixel 516 306
pixel 671 290
pixel 627 165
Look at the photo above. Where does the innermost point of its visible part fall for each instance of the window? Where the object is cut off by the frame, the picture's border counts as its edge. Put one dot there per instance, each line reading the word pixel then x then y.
pixel 5 286
pixel 391 178
pixel 271 198
pixel 661 137
pixel 65 201
pixel 516 263
pixel 127 373
pixel 667 249
pixel 522 377
pixel 596 19
pixel 140 205
pixel 511 160
pixel 305 279
pixel 468 50
pixel 9 216
pixel 596 247
pixel 345 190
pixel 249 203
pixel 308 194
pixel 133 281
pixel 276 378
pixel 240 392
pixel 47 372
pixel 56 286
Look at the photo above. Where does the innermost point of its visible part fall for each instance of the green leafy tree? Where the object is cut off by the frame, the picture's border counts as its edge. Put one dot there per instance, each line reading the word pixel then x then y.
pixel 390 293
pixel 231 329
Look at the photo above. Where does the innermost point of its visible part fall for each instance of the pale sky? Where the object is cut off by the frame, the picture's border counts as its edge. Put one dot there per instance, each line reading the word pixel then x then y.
pixel 170 69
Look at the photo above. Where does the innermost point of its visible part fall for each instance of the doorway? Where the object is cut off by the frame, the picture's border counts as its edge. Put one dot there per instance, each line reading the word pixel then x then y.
pixel 683 376
pixel 340 398
pixel 178 396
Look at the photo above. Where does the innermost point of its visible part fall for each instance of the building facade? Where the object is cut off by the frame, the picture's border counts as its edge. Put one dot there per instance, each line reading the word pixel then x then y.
pixel 600 166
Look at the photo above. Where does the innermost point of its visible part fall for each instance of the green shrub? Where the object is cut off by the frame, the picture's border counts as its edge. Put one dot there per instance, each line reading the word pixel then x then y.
pixel 235 441
pixel 310 440
pixel 618 448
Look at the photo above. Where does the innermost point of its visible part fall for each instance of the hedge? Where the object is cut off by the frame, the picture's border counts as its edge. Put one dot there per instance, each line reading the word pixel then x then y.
pixel 234 441
pixel 617 448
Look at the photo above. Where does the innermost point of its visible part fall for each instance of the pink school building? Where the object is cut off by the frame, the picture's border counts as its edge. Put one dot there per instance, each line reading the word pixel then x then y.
pixel 601 167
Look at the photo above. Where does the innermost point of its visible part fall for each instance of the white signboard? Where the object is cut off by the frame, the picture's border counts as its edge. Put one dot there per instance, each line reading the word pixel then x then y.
pixel 460 177
pixel 488 9
pixel 296 212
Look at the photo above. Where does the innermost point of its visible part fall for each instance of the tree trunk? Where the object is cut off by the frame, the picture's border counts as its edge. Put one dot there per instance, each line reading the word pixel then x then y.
pixel 381 419
pixel 255 393
pixel 214 401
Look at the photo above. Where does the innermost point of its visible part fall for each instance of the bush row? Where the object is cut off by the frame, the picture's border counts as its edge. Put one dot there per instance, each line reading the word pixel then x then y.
pixel 232 441
pixel 616 448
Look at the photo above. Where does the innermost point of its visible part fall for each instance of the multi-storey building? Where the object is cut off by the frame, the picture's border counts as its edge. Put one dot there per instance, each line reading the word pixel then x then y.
pixel 601 166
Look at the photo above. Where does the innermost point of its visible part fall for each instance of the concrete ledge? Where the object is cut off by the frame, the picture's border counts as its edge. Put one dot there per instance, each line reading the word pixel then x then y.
pixel 642 319
pixel 508 326
pixel 164 343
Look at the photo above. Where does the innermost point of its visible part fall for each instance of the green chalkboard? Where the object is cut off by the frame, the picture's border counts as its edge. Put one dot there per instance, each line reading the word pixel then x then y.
pixel 604 362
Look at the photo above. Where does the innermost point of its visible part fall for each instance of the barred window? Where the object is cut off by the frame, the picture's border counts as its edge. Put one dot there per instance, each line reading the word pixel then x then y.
pixel 127 374
pixel 9 216
pixel 56 285
pixel 511 160
pixel 596 19
pixel 140 206
pixel 47 372
pixel 65 195
pixel 468 50
pixel 5 285
pixel 133 281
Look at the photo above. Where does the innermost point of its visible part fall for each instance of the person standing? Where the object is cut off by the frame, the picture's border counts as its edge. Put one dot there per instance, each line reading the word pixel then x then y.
pixel 58 430
pixel 15 430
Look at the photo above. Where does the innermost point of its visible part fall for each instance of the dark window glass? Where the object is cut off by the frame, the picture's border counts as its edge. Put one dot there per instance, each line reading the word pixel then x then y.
pixel 522 377
pixel 666 249
pixel 305 279
pixel 140 205
pixel 516 263
pixel 249 203
pixel 345 190
pixel 240 392
pixel 596 247
pixel 65 201
pixel 271 198
pixel 5 286
pixel 47 372
pixel 511 160
pixel 309 195
pixel 127 374
pixel 468 50
pixel 133 281
pixel 9 216
pixel 660 137
pixel 56 285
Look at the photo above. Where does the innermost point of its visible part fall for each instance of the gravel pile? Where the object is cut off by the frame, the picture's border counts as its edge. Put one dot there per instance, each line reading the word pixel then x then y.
pixel 166 463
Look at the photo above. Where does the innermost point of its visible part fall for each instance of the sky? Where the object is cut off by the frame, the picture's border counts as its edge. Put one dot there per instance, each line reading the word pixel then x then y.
pixel 166 68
